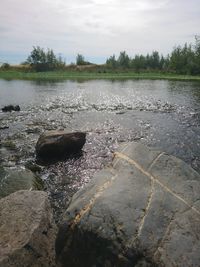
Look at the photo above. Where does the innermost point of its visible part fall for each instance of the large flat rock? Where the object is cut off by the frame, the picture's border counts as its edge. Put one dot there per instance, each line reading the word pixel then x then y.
pixel 144 210
pixel 27 230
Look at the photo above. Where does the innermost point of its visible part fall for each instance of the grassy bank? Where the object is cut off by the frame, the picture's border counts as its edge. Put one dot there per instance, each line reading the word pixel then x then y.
pixel 66 74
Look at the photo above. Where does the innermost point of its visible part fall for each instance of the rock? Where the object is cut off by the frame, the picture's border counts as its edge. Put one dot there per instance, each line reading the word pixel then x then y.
pixel 9 144
pixel 3 127
pixel 12 180
pixel 33 167
pixel 27 230
pixel 57 144
pixel 10 108
pixel 33 130
pixel 144 210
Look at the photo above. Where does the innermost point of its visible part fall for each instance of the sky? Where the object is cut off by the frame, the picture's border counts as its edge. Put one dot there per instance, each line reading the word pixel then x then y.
pixel 96 29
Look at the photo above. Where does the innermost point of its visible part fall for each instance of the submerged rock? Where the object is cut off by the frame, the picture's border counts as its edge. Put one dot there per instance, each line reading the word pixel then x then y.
pixel 10 108
pixel 57 144
pixel 144 210
pixel 12 180
pixel 27 230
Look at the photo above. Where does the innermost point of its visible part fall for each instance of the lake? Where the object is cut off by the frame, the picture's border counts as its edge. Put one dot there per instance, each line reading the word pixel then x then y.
pixel 161 114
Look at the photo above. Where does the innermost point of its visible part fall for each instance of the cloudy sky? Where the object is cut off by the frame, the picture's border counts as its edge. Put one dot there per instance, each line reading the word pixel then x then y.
pixel 95 28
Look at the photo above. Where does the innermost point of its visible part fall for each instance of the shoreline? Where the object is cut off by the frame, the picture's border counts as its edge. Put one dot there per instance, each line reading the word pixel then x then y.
pixel 73 75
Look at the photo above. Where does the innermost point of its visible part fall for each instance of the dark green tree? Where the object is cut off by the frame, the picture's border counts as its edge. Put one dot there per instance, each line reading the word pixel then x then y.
pixel 197 53
pixel 5 66
pixel 139 63
pixel 154 60
pixel 162 63
pixel 44 61
pixel 183 60
pixel 80 60
pixel 123 60
pixel 111 62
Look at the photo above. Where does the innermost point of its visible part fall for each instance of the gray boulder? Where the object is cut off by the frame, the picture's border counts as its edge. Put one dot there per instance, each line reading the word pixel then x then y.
pixel 27 230
pixel 56 144
pixel 144 210
pixel 12 180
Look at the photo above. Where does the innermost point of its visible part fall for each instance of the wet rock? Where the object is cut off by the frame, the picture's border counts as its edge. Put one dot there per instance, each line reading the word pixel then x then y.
pixel 10 108
pixel 33 167
pixel 27 230
pixel 144 210
pixel 57 144
pixel 121 112
pixel 33 130
pixel 12 180
pixel 9 144
pixel 3 127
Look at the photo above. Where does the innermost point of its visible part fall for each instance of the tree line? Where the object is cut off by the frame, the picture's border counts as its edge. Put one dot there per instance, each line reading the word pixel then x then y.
pixel 182 60
pixel 41 60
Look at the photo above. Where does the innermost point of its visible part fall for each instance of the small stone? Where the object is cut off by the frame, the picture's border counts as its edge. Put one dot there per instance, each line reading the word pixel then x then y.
pixel 3 127
pixel 10 108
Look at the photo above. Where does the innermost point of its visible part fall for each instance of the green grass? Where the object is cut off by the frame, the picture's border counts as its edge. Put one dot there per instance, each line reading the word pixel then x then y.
pixel 62 75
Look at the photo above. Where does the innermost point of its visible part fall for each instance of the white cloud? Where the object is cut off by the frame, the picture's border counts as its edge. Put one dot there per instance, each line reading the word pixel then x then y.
pixel 97 27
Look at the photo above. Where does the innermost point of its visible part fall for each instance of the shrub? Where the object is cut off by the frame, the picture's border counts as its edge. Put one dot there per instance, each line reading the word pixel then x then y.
pixel 5 66
pixel 44 61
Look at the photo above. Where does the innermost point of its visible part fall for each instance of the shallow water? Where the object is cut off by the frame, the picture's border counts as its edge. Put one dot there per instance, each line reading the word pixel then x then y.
pixel 162 114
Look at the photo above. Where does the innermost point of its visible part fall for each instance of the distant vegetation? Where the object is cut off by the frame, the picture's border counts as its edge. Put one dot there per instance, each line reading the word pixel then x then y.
pixel 40 60
pixel 183 60
pixel 5 66
pixel 80 61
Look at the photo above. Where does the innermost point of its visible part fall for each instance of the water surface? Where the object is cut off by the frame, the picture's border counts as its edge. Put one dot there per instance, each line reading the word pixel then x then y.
pixel 162 114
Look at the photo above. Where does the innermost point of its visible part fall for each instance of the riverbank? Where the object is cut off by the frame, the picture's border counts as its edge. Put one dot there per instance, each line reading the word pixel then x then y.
pixel 104 74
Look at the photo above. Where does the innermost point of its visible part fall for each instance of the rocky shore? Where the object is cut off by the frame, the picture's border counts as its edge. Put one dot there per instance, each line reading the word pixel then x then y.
pixel 141 210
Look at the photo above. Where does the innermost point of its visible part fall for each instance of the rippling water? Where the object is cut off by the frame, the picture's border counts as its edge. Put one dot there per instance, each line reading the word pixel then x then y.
pixel 162 114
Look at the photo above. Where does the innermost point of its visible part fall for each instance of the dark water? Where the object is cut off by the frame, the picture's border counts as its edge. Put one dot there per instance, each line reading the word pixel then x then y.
pixel 162 114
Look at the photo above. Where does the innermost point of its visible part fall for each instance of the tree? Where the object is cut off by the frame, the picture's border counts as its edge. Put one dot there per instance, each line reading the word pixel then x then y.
pixel 44 61
pixel 111 62
pixel 155 60
pixel 162 63
pixel 176 62
pixel 197 53
pixel 139 63
pixel 5 66
pixel 80 60
pixel 197 45
pixel 183 60
pixel 123 60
